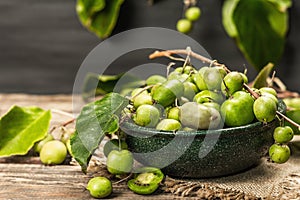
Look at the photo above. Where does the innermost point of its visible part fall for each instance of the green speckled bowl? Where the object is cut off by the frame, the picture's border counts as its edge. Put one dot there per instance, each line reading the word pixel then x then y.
pixel 201 154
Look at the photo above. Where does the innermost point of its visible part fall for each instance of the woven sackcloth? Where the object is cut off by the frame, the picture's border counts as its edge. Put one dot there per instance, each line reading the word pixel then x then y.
pixel 265 181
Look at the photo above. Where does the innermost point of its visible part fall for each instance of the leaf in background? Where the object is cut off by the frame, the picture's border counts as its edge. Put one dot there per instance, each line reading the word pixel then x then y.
pixel 99 16
pixel 259 28
pixel 20 128
pixel 109 83
pixel 227 20
pixel 261 79
pixel 279 16
pixel 95 120
pixel 292 103
pixel 295 116
pixel 87 8
pixel 104 22
pixel 282 5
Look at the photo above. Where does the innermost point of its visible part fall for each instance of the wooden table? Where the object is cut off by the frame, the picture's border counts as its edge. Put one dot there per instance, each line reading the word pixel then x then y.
pixel 26 178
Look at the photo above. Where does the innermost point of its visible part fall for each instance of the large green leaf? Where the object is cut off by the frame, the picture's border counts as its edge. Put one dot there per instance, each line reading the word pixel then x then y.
pixel 227 20
pixel 95 120
pixel 257 38
pixel 87 8
pixel 259 28
pixel 21 127
pixel 282 5
pixel 99 16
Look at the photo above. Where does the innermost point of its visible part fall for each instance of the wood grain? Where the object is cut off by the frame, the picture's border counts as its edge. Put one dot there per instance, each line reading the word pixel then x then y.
pixel 36 181
pixel 26 178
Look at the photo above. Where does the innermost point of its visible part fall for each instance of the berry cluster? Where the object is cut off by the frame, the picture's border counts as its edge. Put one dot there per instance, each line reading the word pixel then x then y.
pixel 191 14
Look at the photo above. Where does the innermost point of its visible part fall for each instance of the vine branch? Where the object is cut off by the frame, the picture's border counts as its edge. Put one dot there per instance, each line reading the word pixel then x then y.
pixel 204 59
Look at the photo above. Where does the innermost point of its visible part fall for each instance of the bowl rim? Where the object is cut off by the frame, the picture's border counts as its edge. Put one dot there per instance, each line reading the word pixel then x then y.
pixel 228 131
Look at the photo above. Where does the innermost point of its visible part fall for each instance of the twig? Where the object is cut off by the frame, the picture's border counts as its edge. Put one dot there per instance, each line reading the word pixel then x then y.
pixel 288 119
pixel 140 92
pixel 63 124
pixel 124 179
pixel 189 52
pixel 168 53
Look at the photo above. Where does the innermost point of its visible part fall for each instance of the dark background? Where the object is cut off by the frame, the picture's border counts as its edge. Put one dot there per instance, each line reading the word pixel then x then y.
pixel 43 44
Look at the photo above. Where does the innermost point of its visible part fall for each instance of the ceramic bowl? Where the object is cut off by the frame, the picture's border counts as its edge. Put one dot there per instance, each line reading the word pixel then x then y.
pixel 202 153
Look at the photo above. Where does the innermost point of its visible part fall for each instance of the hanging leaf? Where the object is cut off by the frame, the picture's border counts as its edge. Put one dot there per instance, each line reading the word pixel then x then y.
pixel 95 120
pixel 261 79
pixel 99 16
pixel 259 28
pixel 282 5
pixel 20 128
pixel 227 20
pixel 87 8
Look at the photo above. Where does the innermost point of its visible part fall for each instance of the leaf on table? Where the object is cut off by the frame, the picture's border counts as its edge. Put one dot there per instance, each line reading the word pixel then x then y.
pixel 95 120
pixel 20 128
pixel 100 16
pixel 261 79
pixel 95 84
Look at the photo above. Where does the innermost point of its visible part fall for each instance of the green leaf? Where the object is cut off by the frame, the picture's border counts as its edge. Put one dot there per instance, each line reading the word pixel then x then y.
pixel 99 16
pixel 227 20
pixel 295 116
pixel 282 5
pixel 278 16
pixel 20 128
pixel 259 28
pixel 87 8
pixel 109 83
pixel 292 103
pixel 95 120
pixel 261 79
pixel 256 38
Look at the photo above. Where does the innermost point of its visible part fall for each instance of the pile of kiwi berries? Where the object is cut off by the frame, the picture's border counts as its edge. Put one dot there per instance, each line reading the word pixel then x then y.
pixel 212 97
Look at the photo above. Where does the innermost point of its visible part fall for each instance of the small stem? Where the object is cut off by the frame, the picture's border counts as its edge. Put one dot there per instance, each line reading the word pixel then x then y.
pixel 288 119
pixel 187 59
pixel 168 53
pixel 144 89
pixel 124 179
pixel 68 122
pixel 63 124
pixel 169 66
pixel 254 94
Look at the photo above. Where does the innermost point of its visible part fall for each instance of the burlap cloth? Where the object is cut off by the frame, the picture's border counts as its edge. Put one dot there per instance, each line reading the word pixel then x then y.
pixel 264 181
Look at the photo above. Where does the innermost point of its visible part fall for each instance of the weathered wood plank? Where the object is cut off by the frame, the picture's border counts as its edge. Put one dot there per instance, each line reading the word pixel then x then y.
pixel 26 178
pixel 27 181
pixel 20 179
